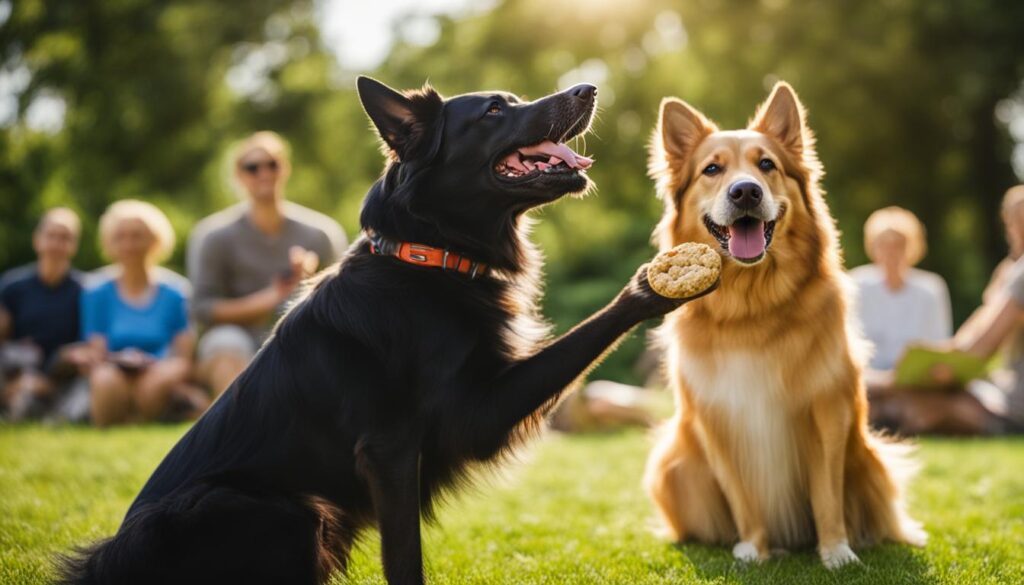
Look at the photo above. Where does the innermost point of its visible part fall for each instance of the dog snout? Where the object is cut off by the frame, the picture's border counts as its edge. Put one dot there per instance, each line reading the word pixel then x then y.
pixel 745 194
pixel 583 91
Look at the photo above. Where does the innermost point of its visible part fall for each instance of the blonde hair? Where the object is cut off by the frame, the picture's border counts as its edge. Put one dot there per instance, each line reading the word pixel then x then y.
pixel 154 219
pixel 901 221
pixel 270 142
pixel 62 216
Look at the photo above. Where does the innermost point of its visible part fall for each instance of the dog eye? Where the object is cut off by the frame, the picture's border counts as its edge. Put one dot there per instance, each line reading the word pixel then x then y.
pixel 766 164
pixel 494 108
pixel 712 170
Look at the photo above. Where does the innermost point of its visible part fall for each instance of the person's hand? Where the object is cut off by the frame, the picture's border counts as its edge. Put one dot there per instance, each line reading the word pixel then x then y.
pixel 942 374
pixel 303 262
pixel 81 355
pixel 279 291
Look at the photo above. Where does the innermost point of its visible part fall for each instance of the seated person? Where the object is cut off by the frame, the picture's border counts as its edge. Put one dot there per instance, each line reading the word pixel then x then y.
pixel 39 320
pixel 984 408
pixel 897 303
pixel 138 327
pixel 999 324
pixel 246 261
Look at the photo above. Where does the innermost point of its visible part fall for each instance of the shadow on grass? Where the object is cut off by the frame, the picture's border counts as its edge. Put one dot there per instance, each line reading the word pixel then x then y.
pixel 879 566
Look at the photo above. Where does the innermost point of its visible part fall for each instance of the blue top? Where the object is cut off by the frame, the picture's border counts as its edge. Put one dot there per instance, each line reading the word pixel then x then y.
pixel 150 328
pixel 47 315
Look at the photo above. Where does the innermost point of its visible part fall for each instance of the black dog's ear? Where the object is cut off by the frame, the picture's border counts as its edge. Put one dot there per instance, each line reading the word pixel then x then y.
pixel 403 120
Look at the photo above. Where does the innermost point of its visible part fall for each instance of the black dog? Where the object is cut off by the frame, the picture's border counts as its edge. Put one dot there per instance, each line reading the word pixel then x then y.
pixel 421 354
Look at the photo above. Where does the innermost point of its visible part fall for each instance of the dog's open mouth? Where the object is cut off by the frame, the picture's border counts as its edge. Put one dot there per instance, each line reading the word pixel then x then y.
pixel 746 240
pixel 539 159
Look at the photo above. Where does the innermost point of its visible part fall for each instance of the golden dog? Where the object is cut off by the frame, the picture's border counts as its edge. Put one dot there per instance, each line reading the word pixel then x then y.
pixel 769 446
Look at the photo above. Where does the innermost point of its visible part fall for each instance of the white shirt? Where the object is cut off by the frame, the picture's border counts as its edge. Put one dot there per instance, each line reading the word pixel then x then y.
pixel 892 319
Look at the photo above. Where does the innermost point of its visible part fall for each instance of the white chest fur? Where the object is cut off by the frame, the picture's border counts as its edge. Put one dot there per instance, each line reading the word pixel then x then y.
pixel 745 391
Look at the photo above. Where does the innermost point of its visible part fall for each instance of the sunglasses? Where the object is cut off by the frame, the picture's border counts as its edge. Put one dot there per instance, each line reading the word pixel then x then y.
pixel 253 168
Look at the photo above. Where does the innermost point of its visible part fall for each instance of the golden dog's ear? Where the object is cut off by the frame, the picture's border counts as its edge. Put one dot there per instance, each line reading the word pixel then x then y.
pixel 783 117
pixel 681 127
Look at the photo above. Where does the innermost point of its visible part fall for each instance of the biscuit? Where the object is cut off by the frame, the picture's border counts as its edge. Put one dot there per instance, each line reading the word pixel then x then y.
pixel 684 271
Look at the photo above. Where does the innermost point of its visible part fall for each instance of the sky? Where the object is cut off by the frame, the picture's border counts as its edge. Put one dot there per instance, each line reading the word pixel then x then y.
pixel 361 32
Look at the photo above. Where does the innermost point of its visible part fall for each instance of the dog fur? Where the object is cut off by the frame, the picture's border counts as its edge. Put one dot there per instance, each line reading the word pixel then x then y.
pixel 388 383
pixel 769 445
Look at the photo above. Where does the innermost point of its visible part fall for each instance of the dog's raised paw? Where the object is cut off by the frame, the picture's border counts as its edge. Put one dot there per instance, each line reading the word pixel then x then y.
pixel 838 555
pixel 746 552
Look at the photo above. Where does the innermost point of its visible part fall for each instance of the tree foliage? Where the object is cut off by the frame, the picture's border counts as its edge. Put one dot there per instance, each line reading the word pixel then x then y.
pixel 901 93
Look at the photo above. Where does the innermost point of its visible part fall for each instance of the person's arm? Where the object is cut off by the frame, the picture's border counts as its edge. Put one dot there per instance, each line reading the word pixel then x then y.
pixel 259 305
pixel 992 329
pixel 210 304
pixel 183 345
pixel 989 299
pixel 97 347
pixel 5 323
pixel 93 328
pixel 253 307
pixel 183 341
pixel 5 314
pixel 997 284
pixel 1003 317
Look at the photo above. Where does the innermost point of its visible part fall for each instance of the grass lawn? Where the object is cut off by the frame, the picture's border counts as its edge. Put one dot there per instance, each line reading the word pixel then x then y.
pixel 571 511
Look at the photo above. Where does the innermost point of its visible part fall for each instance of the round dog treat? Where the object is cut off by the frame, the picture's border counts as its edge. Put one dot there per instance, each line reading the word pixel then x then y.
pixel 684 271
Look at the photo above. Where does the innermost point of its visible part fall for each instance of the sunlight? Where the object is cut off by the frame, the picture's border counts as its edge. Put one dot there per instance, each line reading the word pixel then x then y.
pixel 360 34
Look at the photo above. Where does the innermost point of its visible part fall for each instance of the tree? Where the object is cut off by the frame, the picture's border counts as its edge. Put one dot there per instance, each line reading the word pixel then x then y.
pixel 147 111
pixel 901 94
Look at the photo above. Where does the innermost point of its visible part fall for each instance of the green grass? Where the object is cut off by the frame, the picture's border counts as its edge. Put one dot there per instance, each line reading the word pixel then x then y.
pixel 570 511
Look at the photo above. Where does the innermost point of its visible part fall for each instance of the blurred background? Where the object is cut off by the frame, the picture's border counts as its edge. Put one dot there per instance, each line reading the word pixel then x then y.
pixel 917 103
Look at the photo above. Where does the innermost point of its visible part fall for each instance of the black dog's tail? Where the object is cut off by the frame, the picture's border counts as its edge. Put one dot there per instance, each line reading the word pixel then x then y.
pixel 218 534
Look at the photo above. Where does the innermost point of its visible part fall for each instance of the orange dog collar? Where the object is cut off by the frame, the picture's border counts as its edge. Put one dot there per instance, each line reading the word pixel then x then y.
pixel 423 255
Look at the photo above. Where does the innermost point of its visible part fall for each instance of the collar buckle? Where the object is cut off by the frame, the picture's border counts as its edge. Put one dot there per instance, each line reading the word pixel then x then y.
pixel 423 255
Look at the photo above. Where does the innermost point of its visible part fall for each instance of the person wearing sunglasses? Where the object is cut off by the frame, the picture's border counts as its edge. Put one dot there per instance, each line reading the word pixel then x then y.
pixel 246 261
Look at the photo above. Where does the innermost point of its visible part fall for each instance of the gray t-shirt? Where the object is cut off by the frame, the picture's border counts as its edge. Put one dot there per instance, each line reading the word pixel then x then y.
pixel 228 257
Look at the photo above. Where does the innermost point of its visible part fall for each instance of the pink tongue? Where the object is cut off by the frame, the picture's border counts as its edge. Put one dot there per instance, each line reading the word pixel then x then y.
pixel 560 151
pixel 746 239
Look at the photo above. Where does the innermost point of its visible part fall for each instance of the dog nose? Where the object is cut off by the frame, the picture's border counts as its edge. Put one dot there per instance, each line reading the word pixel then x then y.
pixel 745 194
pixel 584 91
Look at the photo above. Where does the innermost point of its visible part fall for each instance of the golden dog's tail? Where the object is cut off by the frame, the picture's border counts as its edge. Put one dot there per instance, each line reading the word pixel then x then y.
pixel 878 472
